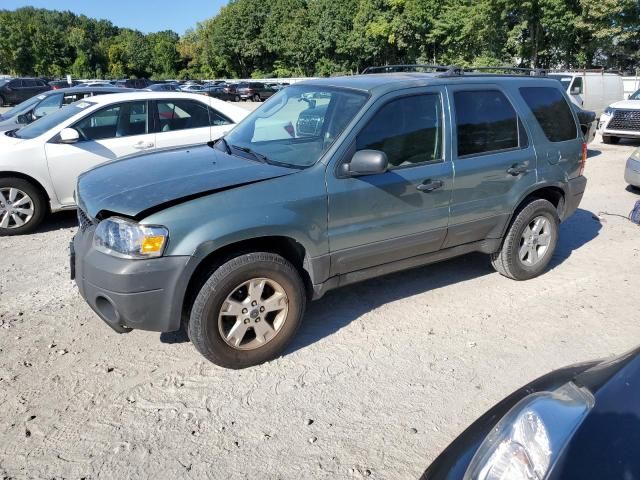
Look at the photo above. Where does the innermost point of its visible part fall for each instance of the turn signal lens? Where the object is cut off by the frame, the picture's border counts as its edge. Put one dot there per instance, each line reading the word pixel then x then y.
pixel 152 244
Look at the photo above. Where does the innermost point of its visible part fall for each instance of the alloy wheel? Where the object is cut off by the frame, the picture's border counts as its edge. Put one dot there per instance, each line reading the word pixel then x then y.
pixel 253 313
pixel 535 241
pixel 16 208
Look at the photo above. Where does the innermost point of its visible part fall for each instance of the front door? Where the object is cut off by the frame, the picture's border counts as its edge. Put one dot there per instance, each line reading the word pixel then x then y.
pixel 108 134
pixel 403 212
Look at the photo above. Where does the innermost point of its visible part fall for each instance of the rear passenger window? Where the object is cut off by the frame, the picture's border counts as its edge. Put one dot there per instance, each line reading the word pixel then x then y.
pixel 408 130
pixel 552 112
pixel 182 115
pixel 486 122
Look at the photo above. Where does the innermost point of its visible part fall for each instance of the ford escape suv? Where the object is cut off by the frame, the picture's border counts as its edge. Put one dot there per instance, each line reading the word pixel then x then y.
pixel 331 182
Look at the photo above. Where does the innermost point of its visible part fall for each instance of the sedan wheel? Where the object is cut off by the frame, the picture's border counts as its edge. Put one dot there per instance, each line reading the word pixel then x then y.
pixel 22 206
pixel 16 208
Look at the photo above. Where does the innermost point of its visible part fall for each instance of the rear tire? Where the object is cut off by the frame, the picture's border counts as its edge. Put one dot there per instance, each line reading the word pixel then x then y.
pixel 236 98
pixel 235 322
pixel 530 242
pixel 18 197
pixel 610 140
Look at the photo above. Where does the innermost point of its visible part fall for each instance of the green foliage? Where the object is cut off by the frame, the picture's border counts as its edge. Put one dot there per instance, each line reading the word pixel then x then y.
pixel 254 38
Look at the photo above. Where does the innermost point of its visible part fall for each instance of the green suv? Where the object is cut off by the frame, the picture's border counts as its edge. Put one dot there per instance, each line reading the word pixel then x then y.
pixel 330 182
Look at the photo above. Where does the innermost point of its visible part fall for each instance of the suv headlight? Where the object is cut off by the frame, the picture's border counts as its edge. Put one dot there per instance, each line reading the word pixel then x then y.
pixel 528 440
pixel 124 238
pixel 609 111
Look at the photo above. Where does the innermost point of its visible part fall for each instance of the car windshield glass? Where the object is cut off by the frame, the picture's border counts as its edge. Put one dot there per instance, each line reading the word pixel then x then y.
pixel 565 80
pixel 297 125
pixel 23 107
pixel 47 122
pixel 635 96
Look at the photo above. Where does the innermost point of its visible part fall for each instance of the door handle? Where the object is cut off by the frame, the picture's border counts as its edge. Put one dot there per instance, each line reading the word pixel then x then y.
pixel 429 186
pixel 517 169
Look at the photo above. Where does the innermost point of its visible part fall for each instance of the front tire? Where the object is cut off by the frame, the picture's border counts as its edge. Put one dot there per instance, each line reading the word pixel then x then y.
pixel 610 140
pixel 22 207
pixel 236 98
pixel 530 242
pixel 256 98
pixel 248 310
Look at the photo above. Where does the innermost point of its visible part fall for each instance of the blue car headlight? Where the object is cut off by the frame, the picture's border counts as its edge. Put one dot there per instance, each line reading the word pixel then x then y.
pixel 128 239
pixel 528 440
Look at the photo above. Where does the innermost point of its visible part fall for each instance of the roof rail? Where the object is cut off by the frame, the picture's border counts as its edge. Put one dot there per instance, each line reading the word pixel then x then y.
pixel 586 70
pixel 444 70
pixel 534 72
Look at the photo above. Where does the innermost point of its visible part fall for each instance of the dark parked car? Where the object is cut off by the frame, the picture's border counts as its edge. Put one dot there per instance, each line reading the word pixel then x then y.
pixel 580 422
pixel 47 102
pixel 222 92
pixel 138 83
pixel 163 87
pixel 255 91
pixel 331 182
pixel 16 90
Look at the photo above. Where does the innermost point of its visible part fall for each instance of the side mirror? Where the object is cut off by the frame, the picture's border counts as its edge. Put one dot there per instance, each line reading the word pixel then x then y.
pixel 69 135
pixel 367 162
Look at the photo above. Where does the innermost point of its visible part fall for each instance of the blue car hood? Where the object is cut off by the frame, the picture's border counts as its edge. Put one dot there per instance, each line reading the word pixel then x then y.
pixel 138 186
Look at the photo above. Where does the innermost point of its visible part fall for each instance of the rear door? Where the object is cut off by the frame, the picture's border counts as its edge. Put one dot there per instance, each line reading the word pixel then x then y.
pixel 181 123
pixel 111 133
pixel 403 212
pixel 494 162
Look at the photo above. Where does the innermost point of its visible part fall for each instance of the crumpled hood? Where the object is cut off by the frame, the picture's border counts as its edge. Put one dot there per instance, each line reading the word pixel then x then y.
pixel 627 104
pixel 137 186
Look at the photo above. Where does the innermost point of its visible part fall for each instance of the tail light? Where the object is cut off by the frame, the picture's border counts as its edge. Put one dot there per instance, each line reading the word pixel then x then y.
pixel 583 158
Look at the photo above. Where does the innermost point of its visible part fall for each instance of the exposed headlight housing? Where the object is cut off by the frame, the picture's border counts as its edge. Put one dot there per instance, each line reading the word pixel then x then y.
pixel 527 441
pixel 127 239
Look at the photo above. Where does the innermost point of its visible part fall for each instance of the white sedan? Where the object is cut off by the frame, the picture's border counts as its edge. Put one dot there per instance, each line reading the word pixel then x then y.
pixel 40 163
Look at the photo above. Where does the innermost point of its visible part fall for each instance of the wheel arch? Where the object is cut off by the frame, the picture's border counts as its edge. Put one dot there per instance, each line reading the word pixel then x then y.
pixel 554 193
pixel 37 184
pixel 207 258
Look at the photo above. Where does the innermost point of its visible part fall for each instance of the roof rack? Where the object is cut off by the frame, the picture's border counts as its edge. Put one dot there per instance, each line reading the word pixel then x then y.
pixel 534 72
pixel 443 70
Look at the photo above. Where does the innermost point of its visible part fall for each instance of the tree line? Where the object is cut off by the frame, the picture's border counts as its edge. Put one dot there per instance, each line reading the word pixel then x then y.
pixel 283 38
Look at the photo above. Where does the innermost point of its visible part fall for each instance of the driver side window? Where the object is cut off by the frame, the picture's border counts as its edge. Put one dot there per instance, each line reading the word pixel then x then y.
pixel 122 120
pixel 408 130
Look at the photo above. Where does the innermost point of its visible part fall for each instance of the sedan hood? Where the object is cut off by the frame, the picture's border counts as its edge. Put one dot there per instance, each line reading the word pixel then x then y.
pixel 627 104
pixel 137 186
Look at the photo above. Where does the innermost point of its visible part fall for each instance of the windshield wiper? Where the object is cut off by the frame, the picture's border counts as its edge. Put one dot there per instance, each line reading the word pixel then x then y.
pixel 258 156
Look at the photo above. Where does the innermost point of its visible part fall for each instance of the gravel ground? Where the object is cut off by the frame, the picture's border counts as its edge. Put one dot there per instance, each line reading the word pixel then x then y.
pixel 382 377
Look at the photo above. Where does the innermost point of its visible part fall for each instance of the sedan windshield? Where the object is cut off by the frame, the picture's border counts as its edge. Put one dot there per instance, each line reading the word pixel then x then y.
pixel 23 107
pixel 297 125
pixel 48 122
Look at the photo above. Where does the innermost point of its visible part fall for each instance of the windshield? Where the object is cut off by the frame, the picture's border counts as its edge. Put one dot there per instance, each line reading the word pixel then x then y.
pixel 635 96
pixel 47 122
pixel 297 125
pixel 565 80
pixel 23 107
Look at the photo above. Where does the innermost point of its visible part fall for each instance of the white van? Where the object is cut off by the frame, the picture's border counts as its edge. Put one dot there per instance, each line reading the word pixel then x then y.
pixel 592 90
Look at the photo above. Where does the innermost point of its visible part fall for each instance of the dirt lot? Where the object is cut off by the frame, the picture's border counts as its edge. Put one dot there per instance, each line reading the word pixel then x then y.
pixel 382 377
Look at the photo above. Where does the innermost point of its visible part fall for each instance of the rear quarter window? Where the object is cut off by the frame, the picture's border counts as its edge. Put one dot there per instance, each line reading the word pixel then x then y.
pixel 551 111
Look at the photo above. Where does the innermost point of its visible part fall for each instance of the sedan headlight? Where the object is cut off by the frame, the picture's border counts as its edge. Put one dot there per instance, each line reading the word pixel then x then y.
pixel 527 441
pixel 124 238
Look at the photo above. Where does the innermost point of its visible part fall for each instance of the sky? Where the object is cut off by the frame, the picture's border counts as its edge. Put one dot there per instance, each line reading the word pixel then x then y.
pixel 144 15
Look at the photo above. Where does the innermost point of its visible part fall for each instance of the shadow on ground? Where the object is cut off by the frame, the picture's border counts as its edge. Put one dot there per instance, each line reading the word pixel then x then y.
pixel 59 221
pixel 340 307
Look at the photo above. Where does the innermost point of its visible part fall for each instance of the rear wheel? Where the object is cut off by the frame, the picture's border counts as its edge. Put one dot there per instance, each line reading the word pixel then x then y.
pixel 22 206
pixel 530 242
pixel 236 98
pixel 248 310
pixel 610 139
